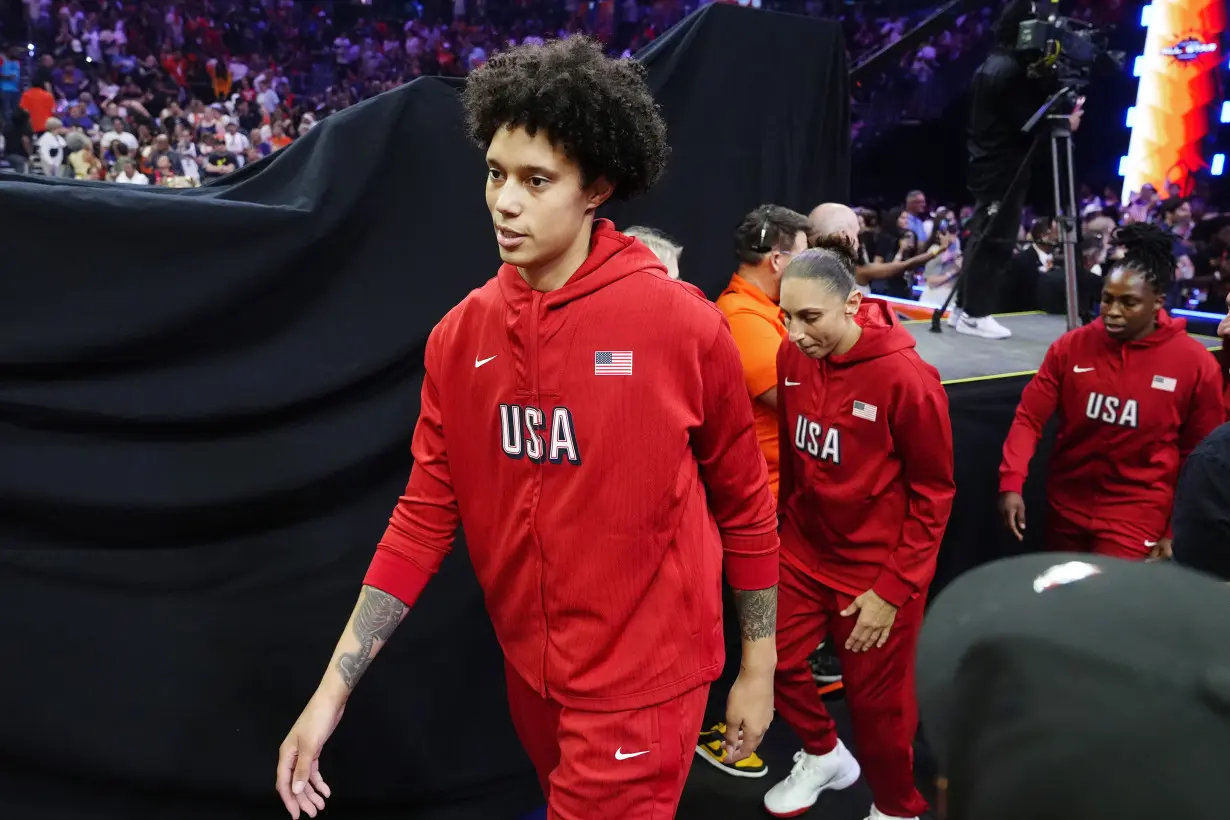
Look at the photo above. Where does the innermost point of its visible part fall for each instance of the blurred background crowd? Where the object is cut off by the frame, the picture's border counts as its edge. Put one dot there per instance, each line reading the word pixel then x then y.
pixel 152 92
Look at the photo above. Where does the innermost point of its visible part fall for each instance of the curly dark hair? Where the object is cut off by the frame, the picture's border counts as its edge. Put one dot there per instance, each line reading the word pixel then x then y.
pixel 1147 250
pixel 596 109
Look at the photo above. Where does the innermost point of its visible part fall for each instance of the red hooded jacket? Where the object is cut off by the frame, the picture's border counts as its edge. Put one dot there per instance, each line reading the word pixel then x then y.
pixel 596 444
pixel 866 469
pixel 1129 414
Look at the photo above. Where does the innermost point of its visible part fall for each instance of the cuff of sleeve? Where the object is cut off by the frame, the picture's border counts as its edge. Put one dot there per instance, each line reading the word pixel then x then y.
pixel 1012 484
pixel 753 571
pixel 397 575
pixel 893 589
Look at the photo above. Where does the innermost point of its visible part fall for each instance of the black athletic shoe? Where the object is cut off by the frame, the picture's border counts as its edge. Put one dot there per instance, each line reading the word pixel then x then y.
pixel 825 667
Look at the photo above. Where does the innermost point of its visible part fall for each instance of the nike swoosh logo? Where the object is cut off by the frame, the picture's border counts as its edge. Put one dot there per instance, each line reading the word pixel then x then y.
pixel 480 362
pixel 1082 370
pixel 1150 543
pixel 619 754
pixel 792 384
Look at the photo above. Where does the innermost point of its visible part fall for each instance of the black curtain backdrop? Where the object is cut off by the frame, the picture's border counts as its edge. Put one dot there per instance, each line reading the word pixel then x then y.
pixel 206 401
pixel 981 413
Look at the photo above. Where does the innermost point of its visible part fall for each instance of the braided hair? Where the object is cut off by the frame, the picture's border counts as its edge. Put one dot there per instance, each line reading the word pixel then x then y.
pixel 1146 250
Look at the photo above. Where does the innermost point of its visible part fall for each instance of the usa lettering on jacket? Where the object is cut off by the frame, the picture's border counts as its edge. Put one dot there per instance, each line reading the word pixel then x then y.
pixel 524 434
pixel 1113 410
pixel 812 438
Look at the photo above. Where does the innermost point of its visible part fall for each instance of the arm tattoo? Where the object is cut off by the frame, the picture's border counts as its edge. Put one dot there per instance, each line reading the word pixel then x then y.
pixel 378 615
pixel 757 612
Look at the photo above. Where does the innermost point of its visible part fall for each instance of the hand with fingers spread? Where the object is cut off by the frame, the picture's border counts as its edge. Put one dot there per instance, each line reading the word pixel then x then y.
pixel 875 622
pixel 299 783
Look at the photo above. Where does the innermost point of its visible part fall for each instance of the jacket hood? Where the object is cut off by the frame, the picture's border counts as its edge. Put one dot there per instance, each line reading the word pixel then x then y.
pixel 883 334
pixel 1168 327
pixel 612 256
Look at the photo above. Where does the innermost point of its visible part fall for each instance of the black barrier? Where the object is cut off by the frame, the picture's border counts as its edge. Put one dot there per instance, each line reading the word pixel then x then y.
pixel 981 411
pixel 205 415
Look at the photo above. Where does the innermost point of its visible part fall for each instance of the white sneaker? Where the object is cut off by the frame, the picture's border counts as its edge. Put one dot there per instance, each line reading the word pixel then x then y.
pixel 984 327
pixel 876 814
pixel 954 316
pixel 811 775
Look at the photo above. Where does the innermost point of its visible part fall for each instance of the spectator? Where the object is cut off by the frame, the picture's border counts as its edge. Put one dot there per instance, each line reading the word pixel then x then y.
pixel 10 83
pixel 217 162
pixel 40 103
pixel 52 147
pixel 128 173
pixel 18 140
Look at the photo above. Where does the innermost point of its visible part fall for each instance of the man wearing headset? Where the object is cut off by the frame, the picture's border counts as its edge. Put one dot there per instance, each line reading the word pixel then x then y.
pixel 765 241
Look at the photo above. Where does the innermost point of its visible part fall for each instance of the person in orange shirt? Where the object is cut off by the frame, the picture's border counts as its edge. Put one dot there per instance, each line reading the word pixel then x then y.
pixel 39 103
pixel 765 241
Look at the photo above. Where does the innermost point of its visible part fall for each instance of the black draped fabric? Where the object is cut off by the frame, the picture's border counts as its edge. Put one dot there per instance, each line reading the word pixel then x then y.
pixel 206 402
pixel 757 111
pixel 981 413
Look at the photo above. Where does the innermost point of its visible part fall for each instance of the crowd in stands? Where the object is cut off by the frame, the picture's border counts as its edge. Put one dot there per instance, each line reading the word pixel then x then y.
pixel 176 93
pixel 1200 233
pixel 151 92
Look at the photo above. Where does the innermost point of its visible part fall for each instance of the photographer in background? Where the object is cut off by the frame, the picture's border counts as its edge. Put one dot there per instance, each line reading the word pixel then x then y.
pixel 1004 95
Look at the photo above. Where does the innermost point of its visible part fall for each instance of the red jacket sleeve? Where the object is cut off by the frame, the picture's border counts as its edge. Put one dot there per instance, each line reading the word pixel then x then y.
pixel 734 471
pixel 1205 411
pixel 1222 358
pixel 1038 403
pixel 926 459
pixel 424 522
pixel 785 459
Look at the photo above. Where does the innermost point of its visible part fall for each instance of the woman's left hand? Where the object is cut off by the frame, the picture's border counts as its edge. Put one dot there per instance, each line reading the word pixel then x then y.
pixel 875 621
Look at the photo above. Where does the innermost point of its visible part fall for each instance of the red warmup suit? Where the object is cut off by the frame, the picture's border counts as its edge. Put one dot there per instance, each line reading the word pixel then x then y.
pixel 596 443
pixel 1223 364
pixel 1129 414
pixel 866 491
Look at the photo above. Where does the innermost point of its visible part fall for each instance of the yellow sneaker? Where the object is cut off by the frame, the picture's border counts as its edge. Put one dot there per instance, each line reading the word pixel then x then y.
pixel 709 747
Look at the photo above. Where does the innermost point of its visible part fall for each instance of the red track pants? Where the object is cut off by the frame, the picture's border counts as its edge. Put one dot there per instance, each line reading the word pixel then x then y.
pixel 608 765
pixel 879 686
pixel 1115 536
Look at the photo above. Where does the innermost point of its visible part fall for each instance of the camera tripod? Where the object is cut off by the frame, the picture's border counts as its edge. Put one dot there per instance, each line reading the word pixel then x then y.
pixel 1067 218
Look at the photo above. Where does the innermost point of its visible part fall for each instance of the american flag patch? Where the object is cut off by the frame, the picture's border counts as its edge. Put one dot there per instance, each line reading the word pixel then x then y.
pixel 865 411
pixel 613 363
pixel 1164 383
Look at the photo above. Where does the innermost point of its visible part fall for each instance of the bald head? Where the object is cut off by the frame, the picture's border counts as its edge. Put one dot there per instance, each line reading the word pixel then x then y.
pixel 834 218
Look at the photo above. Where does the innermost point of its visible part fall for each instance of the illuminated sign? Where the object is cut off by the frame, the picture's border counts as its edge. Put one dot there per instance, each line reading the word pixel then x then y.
pixel 1191 49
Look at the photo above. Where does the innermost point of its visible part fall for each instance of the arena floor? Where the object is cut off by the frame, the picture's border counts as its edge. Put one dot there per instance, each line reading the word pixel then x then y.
pixel 965 358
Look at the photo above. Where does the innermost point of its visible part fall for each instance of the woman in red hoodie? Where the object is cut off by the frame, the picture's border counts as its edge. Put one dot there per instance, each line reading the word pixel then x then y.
pixel 1135 394
pixel 866 488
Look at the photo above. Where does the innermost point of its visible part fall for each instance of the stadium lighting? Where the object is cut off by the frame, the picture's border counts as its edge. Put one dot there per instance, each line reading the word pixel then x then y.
pixel 1146 12
pixel 1218 166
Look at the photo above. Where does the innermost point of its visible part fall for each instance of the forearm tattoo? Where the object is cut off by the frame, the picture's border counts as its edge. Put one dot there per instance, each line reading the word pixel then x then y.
pixel 757 612
pixel 378 615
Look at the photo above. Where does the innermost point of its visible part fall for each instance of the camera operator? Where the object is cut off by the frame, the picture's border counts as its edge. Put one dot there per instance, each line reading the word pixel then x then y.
pixel 1005 93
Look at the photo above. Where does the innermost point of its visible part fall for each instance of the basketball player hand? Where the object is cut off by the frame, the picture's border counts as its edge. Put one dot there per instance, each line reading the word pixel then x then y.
pixel 875 621
pixel 299 783
pixel 749 711
pixel 1012 509
pixel 1163 550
